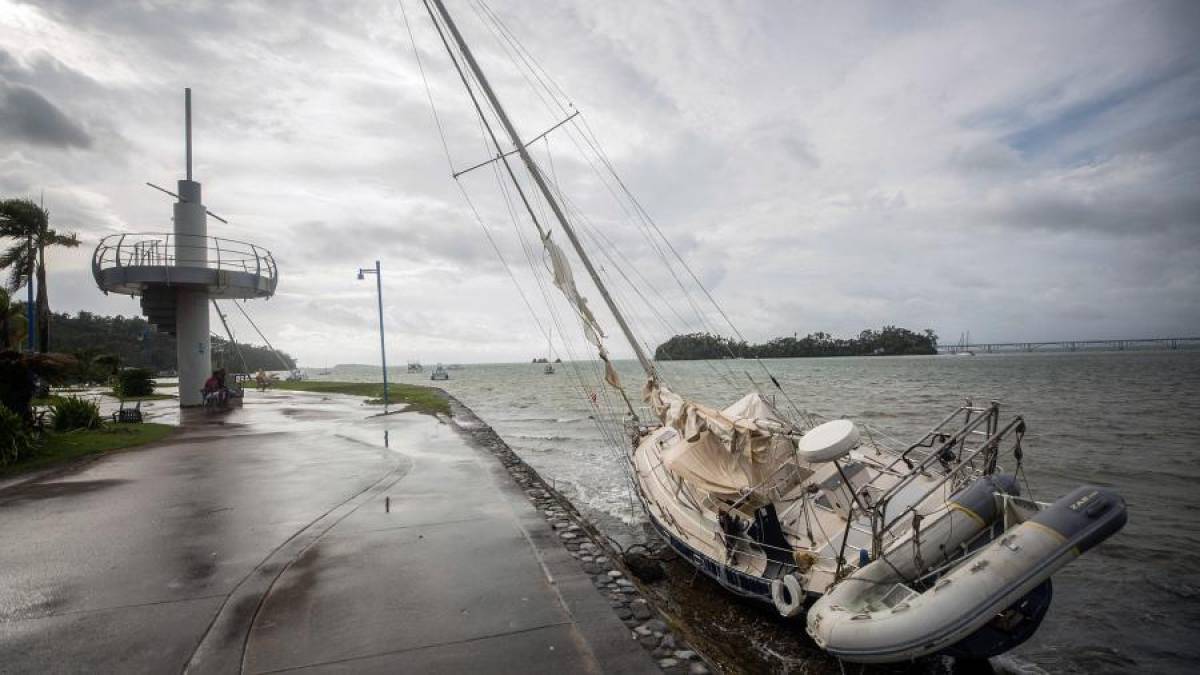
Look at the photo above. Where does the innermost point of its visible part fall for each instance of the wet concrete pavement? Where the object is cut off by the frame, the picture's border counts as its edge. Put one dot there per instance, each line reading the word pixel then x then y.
pixel 285 536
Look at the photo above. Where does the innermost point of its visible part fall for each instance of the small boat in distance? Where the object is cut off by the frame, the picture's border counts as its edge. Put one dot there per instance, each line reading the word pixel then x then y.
pixel 963 348
pixel 549 369
pixel 439 373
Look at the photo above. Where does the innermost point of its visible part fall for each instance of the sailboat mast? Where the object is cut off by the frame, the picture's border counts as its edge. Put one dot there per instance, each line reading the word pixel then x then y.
pixel 540 180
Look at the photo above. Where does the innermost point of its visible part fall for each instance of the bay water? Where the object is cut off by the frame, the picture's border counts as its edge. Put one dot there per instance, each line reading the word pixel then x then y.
pixel 1129 420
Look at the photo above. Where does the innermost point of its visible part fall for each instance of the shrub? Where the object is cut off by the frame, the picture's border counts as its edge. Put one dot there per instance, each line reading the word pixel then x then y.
pixel 72 413
pixel 16 383
pixel 15 441
pixel 133 382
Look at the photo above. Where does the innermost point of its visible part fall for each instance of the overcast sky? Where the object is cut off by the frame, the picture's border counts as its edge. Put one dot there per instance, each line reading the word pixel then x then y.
pixel 1023 171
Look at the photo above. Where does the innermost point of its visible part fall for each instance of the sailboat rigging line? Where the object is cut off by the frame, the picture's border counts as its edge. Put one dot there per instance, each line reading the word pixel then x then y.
pixel 450 162
pixel 534 68
pixel 589 137
pixel 535 139
pixel 620 270
pixel 437 120
pixel 479 109
pixel 531 62
pixel 492 23
pixel 508 37
pixel 236 347
pixel 645 362
pixel 612 439
pixel 279 356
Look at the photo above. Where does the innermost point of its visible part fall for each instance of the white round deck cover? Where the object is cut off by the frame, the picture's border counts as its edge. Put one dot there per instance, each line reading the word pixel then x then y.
pixel 828 441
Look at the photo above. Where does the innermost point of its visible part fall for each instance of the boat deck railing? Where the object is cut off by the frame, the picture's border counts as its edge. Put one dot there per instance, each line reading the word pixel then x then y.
pixel 170 250
pixel 969 451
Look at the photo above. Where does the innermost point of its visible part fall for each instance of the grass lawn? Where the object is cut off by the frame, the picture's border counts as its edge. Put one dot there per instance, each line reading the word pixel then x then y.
pixel 422 399
pixel 58 447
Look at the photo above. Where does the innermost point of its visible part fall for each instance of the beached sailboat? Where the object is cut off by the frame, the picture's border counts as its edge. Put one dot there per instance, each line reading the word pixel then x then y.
pixel 902 551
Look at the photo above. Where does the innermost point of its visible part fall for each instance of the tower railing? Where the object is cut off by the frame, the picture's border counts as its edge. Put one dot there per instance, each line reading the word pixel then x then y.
pixel 152 249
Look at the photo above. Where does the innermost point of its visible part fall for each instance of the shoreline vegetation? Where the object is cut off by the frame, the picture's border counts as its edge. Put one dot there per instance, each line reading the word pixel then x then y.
pixel 104 343
pixel 888 341
pixel 422 399
pixel 60 447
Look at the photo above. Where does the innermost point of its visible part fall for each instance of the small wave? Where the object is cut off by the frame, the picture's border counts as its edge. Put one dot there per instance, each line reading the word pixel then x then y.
pixel 1178 587
pixel 1007 664
pixel 551 438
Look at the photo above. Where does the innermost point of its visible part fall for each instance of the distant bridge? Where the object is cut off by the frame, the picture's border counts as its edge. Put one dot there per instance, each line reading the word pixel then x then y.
pixel 1073 345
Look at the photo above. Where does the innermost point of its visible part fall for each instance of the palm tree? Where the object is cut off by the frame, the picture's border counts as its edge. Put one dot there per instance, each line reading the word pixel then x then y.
pixel 29 225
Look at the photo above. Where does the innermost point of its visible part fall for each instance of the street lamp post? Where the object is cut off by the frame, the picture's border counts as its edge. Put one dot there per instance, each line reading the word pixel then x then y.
pixel 382 349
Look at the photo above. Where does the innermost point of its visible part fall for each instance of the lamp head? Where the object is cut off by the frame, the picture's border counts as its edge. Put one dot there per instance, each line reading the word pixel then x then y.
pixel 360 275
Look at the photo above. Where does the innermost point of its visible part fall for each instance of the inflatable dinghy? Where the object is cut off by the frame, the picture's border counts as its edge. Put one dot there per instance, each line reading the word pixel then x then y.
pixel 993 597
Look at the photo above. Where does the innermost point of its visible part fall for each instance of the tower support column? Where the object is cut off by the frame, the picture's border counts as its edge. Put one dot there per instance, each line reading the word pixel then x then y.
pixel 193 348
pixel 193 351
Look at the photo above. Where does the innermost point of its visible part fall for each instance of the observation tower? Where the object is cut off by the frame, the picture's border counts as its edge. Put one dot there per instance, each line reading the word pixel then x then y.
pixel 178 275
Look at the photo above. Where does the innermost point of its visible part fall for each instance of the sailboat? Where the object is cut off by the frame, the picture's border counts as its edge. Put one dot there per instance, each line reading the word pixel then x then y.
pixel 548 369
pixel 888 552
pixel 963 348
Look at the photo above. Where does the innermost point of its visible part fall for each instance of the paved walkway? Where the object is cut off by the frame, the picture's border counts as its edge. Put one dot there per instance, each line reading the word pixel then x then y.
pixel 285 536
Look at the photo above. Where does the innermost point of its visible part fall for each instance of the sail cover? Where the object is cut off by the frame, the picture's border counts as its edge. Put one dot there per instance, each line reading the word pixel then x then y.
pixel 725 452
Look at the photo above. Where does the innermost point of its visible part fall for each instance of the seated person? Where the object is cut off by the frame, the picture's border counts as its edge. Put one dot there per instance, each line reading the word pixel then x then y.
pixel 214 388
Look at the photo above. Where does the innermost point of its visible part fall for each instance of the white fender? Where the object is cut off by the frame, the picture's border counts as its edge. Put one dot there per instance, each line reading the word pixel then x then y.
pixel 788 595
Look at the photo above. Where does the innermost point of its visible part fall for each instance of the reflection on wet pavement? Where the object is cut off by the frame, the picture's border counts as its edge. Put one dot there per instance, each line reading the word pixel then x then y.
pixel 261 535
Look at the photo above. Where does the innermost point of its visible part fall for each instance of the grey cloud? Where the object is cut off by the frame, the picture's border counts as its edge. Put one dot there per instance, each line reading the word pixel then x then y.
pixel 823 174
pixel 26 116
pixel 420 240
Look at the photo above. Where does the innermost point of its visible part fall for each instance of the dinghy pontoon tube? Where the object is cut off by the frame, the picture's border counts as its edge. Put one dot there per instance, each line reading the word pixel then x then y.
pixel 873 616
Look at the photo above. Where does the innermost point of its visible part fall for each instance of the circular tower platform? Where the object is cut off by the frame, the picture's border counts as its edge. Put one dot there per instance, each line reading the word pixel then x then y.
pixel 155 266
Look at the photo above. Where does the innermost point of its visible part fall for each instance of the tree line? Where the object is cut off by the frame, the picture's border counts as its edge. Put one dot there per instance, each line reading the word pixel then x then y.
pixel 888 341
pixel 133 342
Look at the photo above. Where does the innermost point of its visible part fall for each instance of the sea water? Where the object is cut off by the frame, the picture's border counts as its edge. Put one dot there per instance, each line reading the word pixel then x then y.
pixel 1129 420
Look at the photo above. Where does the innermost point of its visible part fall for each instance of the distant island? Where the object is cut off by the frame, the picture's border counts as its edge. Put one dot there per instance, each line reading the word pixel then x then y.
pixel 888 341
